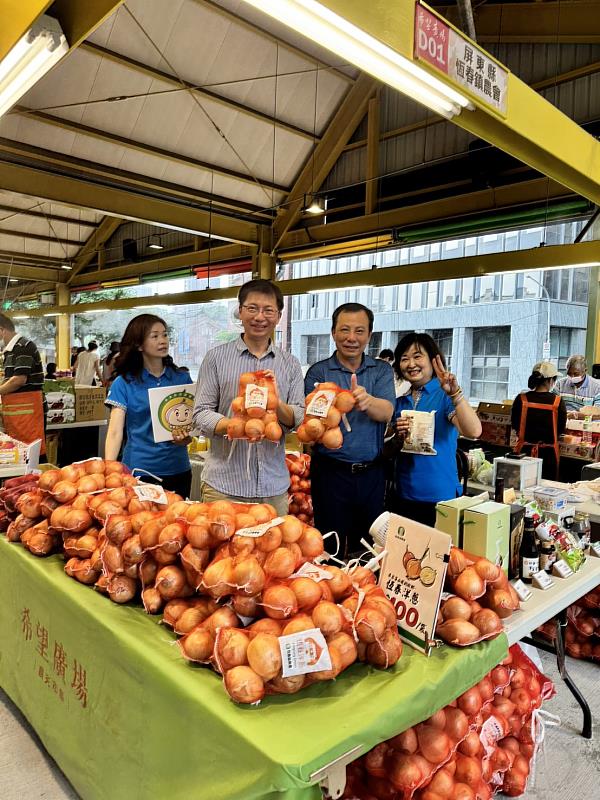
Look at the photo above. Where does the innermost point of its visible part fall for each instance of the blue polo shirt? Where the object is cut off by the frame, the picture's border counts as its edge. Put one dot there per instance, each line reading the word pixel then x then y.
pixel 430 479
pixel 160 458
pixel 365 440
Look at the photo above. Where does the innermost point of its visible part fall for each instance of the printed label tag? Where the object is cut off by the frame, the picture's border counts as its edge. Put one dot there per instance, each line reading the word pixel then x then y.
pixel 312 571
pixel 321 403
pixel 562 569
pixel 259 530
pixel 256 396
pixel 522 590
pixel 491 732
pixel 304 652
pixel 595 549
pixel 542 580
pixel 151 492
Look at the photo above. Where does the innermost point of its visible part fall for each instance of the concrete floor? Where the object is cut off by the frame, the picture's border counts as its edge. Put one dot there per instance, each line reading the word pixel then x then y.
pixel 568 766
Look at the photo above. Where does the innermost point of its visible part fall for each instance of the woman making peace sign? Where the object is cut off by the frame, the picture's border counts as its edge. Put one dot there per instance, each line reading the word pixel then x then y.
pixel 424 480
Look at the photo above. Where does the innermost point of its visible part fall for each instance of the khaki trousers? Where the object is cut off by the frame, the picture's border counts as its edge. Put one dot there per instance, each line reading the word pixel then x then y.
pixel 279 501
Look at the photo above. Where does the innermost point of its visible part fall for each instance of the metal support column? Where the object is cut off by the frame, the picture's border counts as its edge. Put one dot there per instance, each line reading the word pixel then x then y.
pixel 63 329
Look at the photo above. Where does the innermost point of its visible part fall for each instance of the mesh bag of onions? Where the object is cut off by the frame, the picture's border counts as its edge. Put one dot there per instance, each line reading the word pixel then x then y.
pixel 326 407
pixel 254 409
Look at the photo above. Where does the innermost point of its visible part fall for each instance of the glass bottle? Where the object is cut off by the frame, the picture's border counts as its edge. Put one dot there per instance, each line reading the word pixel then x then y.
pixel 547 556
pixel 499 490
pixel 529 555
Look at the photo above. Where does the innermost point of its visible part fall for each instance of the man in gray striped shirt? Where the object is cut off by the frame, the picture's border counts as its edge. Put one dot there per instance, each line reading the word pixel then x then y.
pixel 239 470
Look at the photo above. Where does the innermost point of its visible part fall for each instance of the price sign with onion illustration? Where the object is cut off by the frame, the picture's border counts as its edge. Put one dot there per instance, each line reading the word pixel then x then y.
pixel 412 577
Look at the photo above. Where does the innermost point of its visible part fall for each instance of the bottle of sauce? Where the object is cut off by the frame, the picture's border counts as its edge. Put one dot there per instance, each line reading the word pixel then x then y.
pixel 529 555
pixel 547 556
pixel 499 490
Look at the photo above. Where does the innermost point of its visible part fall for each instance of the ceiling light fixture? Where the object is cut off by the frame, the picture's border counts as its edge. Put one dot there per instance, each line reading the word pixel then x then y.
pixel 13 280
pixel 341 37
pixel 66 266
pixel 314 206
pixel 154 242
pixel 341 289
pixel 33 55
pixel 20 316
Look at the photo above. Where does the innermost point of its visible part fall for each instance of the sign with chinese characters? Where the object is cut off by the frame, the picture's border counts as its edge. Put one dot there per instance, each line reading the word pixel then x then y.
pixel 412 577
pixel 460 59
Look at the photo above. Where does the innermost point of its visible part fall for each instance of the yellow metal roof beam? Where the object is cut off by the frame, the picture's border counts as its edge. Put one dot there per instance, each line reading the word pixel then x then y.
pixel 534 130
pixel 80 18
pixel 120 202
pixel 17 17
pixel 32 273
pixel 102 234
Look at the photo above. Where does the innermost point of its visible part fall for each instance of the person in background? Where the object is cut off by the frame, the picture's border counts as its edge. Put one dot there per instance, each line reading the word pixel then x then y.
pixel 577 388
pixel 50 371
pixel 108 365
pixel 241 471
pixel 144 363
pixel 422 481
pixel 74 353
pixel 539 416
pixel 348 485
pixel 386 355
pixel 87 366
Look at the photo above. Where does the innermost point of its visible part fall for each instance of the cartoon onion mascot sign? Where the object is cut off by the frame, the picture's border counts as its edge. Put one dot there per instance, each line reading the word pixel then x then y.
pixel 171 408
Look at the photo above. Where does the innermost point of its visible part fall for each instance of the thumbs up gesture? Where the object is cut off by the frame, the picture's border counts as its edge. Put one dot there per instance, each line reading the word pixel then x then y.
pixel 363 399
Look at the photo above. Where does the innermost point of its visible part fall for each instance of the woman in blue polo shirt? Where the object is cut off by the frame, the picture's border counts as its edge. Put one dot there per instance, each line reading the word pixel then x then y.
pixel 144 363
pixel 424 480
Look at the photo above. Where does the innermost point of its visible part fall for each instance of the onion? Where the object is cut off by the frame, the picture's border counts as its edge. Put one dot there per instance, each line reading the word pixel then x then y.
pixel 442 783
pixel 48 505
pixel 404 771
pixel 113 481
pixel 279 602
pixel 40 544
pixel 48 479
pixel 458 561
pixel 172 538
pixel 266 625
pixel 118 528
pixel 273 431
pixel 522 700
pixel 340 583
pixel 218 579
pixel 194 557
pixel 71 473
pixel 76 521
pixel 264 655
pixel 468 770
pixel 291 529
pixel 369 625
pixel 385 652
pixel 434 744
pixel 87 484
pixel 514 783
pixel 289 685
pixel 148 571
pixel 121 589
pixel 29 504
pixel 106 509
pixel 383 605
pixel 198 645
pixel 328 617
pixel 244 685
pixel 173 610
pixel 222 527
pixel 177 511
pixel 111 467
pixel 501 602
pixel 374 760
pixel 462 791
pixel 262 512
pixel 344 402
pixel 457 724
pixel 112 558
pixel 64 491
pixel 488 622
pixel 505 706
pixel 281 563
pixel 170 582
pixel 499 676
pixel 336 667
pixel 308 593
pixel 85 546
pixel 231 645
pixel 345 646
pixel 245 606
pixel 152 600
pixel 471 744
pixel 270 540
pixel 470 702
pixel 301 622
pixel 311 542
pixel 486 570
pixel 132 551
pixel 469 584
pixel 405 742
pixel 223 617
pixel 437 720
pixel 486 689
pixel 248 576
pixel 332 439
pixel 198 534
pixel 456 608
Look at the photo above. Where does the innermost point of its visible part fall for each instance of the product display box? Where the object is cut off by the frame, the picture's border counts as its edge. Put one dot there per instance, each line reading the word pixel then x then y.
pixel 550 499
pixel 486 532
pixel 495 423
pixel 518 473
pixel 449 516
pixel 89 403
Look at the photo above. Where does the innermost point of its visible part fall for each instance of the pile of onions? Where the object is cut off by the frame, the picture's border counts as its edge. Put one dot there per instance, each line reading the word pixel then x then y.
pixel 443 757
pixel 300 501
pixel 326 429
pixel 464 623
pixel 255 422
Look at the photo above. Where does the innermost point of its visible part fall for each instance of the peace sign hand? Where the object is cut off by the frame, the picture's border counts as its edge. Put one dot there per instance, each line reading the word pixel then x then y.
pixel 447 380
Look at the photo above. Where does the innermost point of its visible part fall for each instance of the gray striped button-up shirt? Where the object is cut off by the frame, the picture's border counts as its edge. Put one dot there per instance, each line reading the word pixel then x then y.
pixel 240 468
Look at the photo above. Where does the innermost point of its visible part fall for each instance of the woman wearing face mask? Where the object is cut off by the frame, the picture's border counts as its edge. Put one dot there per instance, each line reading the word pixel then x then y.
pixel 539 417
pixel 144 363
pixel 424 480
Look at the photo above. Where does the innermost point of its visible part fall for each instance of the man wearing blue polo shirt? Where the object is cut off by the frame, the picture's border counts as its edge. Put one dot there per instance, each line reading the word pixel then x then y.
pixel 348 484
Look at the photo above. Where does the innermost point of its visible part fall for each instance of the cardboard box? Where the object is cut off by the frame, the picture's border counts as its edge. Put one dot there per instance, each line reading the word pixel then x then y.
pixel 449 516
pixel 89 403
pixel 518 473
pixel 486 532
pixel 495 423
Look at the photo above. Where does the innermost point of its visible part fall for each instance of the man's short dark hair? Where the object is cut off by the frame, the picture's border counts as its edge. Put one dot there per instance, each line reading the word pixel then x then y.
pixel 352 308
pixel 6 322
pixel 261 286
pixel 386 353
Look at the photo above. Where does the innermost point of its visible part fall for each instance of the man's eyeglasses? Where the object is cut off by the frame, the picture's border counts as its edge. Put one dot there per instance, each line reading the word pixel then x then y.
pixel 269 312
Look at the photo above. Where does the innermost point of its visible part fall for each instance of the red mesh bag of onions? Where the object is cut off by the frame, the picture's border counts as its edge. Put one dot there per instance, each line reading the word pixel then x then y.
pixel 326 407
pixel 254 409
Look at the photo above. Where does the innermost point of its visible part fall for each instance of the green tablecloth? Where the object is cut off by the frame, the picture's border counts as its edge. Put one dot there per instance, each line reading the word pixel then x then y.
pixel 126 717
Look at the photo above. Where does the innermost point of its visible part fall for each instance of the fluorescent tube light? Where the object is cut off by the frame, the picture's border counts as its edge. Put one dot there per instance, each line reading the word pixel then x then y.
pixel 33 55
pixel 51 314
pixel 544 269
pixel 20 316
pixel 13 280
pixel 335 33
pixel 340 289
pixel 66 266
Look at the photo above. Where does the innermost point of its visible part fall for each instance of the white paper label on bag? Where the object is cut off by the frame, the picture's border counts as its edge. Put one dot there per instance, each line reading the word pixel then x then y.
pixel 313 571
pixel 491 732
pixel 321 403
pixel 150 492
pixel 259 530
pixel 256 396
pixel 303 653
pixel 562 569
pixel 542 580
pixel 523 591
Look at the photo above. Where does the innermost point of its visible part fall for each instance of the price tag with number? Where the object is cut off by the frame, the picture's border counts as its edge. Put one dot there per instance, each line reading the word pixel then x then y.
pixel 412 577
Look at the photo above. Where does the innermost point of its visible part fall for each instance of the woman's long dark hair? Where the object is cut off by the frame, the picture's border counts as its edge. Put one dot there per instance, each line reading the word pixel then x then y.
pixel 422 341
pixel 129 363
